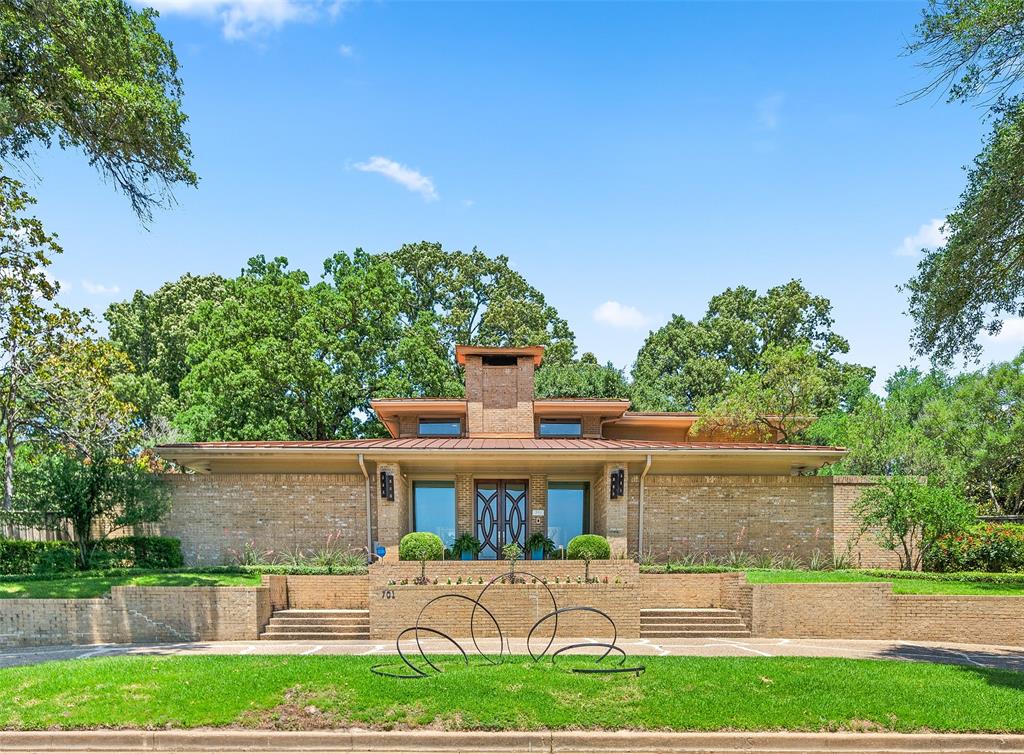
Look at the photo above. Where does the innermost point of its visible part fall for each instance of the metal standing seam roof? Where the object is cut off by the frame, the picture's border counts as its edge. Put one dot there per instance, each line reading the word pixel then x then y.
pixel 490 443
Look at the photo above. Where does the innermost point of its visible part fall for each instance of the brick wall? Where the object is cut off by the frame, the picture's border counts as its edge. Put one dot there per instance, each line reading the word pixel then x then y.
pixel 686 514
pixel 863 551
pixel 499 400
pixel 321 592
pixel 392 515
pixel 689 590
pixel 135 614
pixel 394 606
pixel 968 618
pixel 215 514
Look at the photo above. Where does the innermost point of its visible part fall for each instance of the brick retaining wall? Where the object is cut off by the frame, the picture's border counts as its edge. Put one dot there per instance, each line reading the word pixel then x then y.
pixel 318 592
pixel 394 606
pixel 689 590
pixel 136 614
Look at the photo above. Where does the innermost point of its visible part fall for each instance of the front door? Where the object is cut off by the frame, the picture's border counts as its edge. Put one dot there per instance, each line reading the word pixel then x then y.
pixel 500 515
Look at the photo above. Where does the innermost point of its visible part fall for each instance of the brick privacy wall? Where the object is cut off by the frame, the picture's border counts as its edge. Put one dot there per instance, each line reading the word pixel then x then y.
pixel 134 614
pixel 690 589
pixel 395 606
pixel 325 592
pixel 215 514
pixel 689 514
pixel 863 551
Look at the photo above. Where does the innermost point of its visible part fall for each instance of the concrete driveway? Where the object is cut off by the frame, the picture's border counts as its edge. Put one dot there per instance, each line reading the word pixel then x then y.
pixel 1011 658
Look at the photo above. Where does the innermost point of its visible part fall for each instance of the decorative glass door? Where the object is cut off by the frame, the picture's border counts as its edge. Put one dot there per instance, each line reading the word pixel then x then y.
pixel 500 515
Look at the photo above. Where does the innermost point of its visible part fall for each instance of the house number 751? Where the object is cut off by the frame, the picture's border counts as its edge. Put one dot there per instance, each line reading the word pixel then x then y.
pixel 388 594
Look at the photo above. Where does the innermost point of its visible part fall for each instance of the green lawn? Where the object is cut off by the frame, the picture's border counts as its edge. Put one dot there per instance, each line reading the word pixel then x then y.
pixel 97 586
pixel 899 585
pixel 676 693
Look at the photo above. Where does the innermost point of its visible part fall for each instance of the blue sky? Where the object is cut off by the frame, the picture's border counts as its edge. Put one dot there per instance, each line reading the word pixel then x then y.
pixel 631 159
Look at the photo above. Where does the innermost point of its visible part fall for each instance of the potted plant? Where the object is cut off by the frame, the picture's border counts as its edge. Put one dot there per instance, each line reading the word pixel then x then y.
pixel 466 546
pixel 539 545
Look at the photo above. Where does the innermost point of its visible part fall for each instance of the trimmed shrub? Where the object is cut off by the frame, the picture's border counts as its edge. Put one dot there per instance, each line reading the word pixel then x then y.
pixel 139 552
pixel 420 545
pixel 589 547
pixel 19 557
pixel 986 547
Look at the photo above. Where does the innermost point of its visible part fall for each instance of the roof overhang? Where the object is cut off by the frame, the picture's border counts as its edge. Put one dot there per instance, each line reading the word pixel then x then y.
pixel 536 352
pixel 389 410
pixel 205 458
pixel 576 407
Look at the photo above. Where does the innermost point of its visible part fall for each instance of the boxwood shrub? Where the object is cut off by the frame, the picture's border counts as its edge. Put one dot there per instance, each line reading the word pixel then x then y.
pixel 420 545
pixel 20 557
pixel 588 546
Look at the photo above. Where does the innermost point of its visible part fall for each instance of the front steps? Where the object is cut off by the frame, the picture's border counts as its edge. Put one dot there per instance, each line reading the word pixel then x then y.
pixel 691 623
pixel 318 625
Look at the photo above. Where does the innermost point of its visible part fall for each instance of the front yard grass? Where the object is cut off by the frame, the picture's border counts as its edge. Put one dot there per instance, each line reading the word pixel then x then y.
pixel 82 586
pixel 676 693
pixel 908 584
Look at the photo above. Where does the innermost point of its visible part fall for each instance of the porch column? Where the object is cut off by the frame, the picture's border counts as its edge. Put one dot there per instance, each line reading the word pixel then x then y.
pixel 392 515
pixel 610 515
pixel 465 494
pixel 538 502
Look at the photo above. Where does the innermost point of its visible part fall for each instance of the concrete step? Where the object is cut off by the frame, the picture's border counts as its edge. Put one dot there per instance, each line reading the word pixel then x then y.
pixel 317 628
pixel 690 619
pixel 686 611
pixel 301 612
pixel 695 634
pixel 297 620
pixel 333 636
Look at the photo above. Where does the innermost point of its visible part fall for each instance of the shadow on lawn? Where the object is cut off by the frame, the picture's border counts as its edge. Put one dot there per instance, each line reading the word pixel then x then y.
pixel 991 663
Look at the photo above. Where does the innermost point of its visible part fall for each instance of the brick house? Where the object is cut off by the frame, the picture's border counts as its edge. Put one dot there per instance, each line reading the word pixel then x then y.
pixel 502 465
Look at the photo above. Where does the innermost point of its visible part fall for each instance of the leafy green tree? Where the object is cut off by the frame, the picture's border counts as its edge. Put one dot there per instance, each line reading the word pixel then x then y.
pixel 479 300
pixel 778 398
pixel 95 75
pixel 888 435
pixel 907 516
pixel 281 358
pixel 583 378
pixel 979 427
pixel 32 325
pixel 97 493
pixel 974 48
pixel 155 331
pixel 685 364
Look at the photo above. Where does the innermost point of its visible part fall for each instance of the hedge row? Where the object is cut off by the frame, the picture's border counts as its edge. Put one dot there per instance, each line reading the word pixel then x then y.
pixel 20 557
pixel 986 547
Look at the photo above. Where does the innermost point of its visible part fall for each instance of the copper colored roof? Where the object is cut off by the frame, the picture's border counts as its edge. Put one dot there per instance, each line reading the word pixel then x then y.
pixel 481 443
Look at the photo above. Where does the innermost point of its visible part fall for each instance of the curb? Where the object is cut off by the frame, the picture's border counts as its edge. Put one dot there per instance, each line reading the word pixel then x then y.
pixel 357 740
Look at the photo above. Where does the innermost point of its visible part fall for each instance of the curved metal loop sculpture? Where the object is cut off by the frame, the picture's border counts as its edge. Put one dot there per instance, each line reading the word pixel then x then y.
pixel 556 611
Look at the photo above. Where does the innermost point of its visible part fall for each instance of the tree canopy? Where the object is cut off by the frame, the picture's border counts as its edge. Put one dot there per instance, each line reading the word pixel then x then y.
pixel 974 49
pixel 95 75
pixel 686 364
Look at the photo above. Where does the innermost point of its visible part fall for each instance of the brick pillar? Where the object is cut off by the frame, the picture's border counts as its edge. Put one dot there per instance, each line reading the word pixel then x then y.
pixel 610 516
pixel 465 492
pixel 392 516
pixel 538 501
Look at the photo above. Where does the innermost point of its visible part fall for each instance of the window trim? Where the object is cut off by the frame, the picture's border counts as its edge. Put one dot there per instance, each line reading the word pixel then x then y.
pixel 568 421
pixel 439 419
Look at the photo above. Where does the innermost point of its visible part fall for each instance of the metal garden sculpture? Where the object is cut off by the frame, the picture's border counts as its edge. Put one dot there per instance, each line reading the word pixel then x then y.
pixel 427 667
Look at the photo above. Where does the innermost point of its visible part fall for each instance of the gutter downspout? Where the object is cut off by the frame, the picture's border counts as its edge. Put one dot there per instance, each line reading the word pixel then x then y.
pixel 369 527
pixel 640 512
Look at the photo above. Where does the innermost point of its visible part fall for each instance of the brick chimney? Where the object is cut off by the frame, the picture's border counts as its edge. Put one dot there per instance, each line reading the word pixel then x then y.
pixel 499 389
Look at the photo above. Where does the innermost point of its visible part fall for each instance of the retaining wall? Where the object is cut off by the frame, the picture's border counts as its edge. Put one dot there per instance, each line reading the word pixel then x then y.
pixel 135 614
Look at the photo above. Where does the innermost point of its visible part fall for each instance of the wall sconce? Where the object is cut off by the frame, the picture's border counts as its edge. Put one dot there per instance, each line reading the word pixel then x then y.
pixel 387 486
pixel 618 483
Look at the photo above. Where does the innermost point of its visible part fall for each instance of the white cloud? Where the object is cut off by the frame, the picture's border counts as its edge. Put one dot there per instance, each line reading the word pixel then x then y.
pixel 346 51
pixel 98 289
pixel 245 18
pixel 467 203
pixel 928 236
pixel 1011 332
pixel 620 315
pixel 402 175
pixel 769 111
